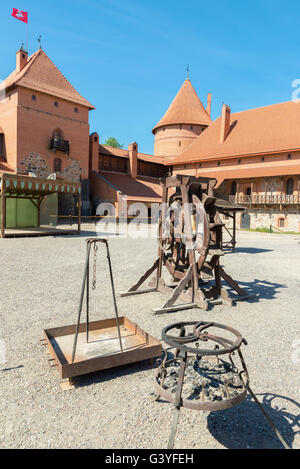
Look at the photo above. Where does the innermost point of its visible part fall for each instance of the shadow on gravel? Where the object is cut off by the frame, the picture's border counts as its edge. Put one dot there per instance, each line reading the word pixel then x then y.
pixel 260 289
pixel 252 250
pixel 245 427
pixel 113 373
pixel 12 368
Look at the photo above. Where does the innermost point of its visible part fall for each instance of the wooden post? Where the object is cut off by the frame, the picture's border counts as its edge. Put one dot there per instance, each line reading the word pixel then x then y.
pixel 266 188
pixel 237 197
pixel 160 251
pixel 79 211
pixel 191 252
pixel 38 210
pixel 234 232
pixel 3 211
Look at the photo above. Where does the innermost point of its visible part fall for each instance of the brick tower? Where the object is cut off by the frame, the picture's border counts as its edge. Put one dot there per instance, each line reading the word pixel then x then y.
pixel 184 121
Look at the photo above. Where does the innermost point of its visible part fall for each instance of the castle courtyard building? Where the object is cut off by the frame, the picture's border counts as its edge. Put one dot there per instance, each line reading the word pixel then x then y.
pixel 255 157
pixel 44 125
pixel 254 154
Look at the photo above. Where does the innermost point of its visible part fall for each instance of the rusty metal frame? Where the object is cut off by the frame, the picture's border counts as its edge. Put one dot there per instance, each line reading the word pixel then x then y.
pixel 182 349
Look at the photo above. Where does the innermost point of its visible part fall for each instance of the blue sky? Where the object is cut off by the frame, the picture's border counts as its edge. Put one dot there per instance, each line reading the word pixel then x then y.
pixel 129 57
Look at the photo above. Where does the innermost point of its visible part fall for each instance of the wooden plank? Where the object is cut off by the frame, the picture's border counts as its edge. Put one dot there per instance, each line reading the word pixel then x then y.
pixel 144 277
pixel 179 289
pixel 175 308
pixel 138 292
pixel 232 283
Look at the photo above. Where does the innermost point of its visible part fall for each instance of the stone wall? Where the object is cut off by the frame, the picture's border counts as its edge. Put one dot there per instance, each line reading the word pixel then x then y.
pixel 260 219
pixel 263 219
pixel 35 163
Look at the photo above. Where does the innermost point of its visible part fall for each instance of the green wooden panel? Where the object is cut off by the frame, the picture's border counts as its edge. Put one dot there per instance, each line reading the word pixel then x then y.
pixel 49 206
pixel 11 213
pixel 27 214
pixel 20 213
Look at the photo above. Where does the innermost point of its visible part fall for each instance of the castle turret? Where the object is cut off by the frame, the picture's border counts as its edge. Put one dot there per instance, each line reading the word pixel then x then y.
pixel 184 121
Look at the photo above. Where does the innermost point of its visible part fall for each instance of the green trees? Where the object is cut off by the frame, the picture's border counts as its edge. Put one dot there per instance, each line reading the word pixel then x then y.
pixel 113 142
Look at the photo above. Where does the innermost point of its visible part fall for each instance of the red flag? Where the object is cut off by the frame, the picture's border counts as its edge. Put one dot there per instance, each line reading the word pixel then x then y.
pixel 20 15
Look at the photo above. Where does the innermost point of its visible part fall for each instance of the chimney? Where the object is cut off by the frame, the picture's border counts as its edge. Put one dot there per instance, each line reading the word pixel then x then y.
pixel 93 153
pixel 208 107
pixel 225 123
pixel 133 150
pixel 21 59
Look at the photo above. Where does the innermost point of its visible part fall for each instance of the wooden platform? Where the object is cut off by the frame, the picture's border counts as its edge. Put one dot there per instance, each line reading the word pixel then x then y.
pixel 102 351
pixel 31 232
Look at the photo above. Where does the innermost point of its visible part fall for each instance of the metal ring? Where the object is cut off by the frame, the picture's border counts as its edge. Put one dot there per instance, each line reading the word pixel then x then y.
pixel 179 343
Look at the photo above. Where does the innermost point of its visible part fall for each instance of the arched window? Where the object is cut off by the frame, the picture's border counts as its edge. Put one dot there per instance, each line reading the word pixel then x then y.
pixel 233 188
pixel 57 133
pixel 289 186
pixel 57 165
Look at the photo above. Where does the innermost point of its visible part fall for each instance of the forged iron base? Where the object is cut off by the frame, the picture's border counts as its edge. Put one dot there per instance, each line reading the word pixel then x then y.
pixel 214 380
pixel 215 386
pixel 210 395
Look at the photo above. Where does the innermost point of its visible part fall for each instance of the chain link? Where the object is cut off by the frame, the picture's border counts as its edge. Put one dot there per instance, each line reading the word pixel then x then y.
pixel 94 282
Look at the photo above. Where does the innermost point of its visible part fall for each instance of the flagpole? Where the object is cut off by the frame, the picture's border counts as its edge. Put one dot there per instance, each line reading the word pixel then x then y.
pixel 27 35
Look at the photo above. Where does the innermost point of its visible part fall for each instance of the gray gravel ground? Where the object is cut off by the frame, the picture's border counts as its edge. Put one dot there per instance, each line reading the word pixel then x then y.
pixel 40 285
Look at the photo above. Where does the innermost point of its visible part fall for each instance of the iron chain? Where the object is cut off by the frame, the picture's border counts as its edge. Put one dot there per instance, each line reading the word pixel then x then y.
pixel 94 282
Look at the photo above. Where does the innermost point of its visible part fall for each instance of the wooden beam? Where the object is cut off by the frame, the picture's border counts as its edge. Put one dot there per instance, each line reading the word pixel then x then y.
pixel 31 200
pixel 3 206
pixel 234 232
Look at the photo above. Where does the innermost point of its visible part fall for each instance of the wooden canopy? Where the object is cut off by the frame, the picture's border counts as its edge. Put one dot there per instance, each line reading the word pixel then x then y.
pixel 15 186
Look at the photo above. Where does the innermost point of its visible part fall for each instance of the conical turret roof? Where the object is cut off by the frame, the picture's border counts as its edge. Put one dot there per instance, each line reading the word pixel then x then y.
pixel 186 108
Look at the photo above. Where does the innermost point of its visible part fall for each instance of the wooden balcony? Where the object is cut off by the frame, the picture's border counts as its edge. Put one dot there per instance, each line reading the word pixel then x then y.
pixel 59 144
pixel 265 199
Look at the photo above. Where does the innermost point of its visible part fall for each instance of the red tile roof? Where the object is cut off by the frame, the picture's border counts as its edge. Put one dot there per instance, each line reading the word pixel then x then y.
pixel 186 108
pixel 140 189
pixel 111 151
pixel 42 75
pixel 269 129
pixel 281 168
pixel 4 168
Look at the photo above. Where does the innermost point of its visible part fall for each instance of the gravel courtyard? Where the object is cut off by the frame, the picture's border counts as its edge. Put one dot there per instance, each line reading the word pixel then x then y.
pixel 40 286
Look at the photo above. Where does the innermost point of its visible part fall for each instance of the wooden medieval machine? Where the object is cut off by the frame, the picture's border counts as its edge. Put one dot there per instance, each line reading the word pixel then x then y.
pixel 190 240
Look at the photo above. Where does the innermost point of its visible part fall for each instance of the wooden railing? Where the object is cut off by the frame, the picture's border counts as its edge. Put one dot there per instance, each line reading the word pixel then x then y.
pixel 59 144
pixel 279 199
